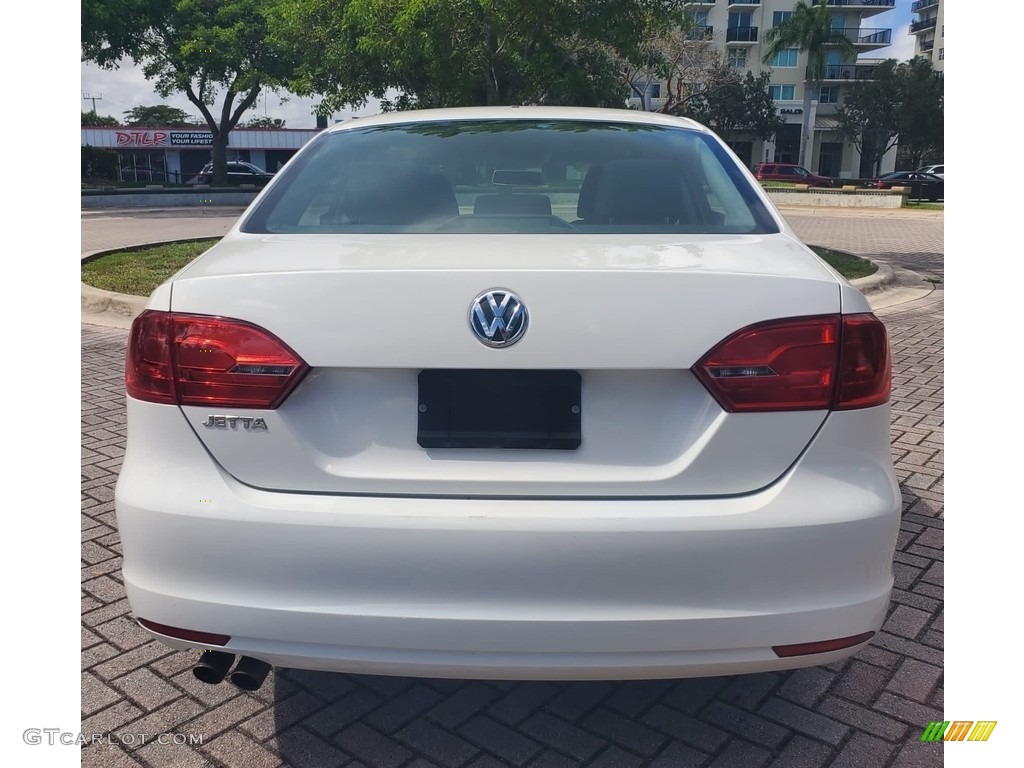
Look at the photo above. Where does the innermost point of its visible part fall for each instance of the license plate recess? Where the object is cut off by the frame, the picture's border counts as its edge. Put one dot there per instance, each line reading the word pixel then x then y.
pixel 499 409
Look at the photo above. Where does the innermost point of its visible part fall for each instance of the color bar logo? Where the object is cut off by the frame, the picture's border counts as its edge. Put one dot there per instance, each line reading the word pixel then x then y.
pixel 959 730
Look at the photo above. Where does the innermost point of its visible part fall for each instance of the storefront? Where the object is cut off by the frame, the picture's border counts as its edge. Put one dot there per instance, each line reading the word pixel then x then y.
pixel 175 155
pixel 827 152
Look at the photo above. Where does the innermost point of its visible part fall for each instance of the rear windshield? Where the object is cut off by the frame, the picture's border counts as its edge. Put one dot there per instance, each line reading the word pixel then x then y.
pixel 512 176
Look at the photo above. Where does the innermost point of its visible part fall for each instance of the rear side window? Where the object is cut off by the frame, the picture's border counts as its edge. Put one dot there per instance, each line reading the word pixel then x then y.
pixel 512 176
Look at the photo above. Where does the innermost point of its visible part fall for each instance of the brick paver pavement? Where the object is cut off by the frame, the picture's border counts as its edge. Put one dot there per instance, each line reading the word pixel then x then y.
pixel 868 711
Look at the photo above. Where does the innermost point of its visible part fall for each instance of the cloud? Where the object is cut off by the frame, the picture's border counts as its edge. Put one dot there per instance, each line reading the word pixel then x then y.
pixel 902 47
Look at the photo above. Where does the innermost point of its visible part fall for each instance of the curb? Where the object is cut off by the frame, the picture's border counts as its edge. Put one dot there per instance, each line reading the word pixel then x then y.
pixel 104 306
pixel 96 301
pixel 875 213
pixel 882 280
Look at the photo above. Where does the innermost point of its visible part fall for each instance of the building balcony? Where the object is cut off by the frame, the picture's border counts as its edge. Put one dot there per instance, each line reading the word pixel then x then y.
pixel 699 32
pixel 865 3
pixel 866 7
pixel 920 5
pixel 921 26
pixel 741 35
pixel 927 45
pixel 703 2
pixel 848 72
pixel 744 2
pixel 868 37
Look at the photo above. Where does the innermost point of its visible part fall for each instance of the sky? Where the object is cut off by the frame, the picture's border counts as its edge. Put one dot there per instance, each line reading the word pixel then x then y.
pixel 898 19
pixel 126 87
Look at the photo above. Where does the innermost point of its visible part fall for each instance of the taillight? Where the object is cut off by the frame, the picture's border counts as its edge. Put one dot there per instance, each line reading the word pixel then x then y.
pixel 803 363
pixel 203 360
pixel 865 368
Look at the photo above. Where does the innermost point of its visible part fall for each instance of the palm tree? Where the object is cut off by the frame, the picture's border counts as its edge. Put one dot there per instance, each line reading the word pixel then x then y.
pixel 810 31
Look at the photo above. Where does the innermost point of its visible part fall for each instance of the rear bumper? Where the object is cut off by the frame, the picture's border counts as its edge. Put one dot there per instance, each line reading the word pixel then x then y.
pixel 502 588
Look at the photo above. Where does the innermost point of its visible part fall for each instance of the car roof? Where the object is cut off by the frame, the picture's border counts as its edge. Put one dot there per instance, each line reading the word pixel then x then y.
pixel 518 113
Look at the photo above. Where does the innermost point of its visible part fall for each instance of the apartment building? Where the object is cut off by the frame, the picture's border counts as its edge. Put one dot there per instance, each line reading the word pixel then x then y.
pixel 736 28
pixel 929 30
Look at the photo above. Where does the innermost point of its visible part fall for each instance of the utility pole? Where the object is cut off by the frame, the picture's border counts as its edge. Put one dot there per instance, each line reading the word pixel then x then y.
pixel 94 97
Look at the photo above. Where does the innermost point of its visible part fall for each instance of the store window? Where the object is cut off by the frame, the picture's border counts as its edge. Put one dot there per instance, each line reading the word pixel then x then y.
pixel 147 167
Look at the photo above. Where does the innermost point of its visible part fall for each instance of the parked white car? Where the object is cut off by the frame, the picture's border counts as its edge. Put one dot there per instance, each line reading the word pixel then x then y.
pixel 509 393
pixel 936 170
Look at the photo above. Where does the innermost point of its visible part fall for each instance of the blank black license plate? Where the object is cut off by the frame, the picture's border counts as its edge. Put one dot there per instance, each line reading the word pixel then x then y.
pixel 499 409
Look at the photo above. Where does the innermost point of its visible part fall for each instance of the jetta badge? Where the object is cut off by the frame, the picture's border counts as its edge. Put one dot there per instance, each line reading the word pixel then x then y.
pixel 253 424
pixel 498 318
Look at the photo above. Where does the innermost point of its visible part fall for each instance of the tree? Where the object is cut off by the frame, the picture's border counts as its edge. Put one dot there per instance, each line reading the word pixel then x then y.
pixel 99 163
pixel 209 50
pixel 809 30
pixel 678 56
pixel 922 113
pixel 264 122
pixel 437 53
pixel 158 116
pixel 112 27
pixel 869 116
pixel 738 105
pixel 693 71
pixel 99 121
pixel 901 103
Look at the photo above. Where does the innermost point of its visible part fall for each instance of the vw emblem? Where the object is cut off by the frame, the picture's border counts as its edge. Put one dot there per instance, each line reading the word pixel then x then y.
pixel 498 318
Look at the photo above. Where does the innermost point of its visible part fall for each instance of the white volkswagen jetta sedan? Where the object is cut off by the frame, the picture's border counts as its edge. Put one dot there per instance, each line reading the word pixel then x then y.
pixel 509 393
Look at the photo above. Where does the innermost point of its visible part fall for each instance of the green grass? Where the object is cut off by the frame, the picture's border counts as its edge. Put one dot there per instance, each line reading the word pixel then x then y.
pixel 849 266
pixel 927 206
pixel 138 272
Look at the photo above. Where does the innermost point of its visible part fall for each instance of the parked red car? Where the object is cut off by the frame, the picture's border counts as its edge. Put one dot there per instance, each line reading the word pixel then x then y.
pixel 789 172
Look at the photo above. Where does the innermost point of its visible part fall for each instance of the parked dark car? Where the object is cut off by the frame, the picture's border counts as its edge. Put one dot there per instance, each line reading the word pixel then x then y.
pixel 923 186
pixel 238 173
pixel 789 172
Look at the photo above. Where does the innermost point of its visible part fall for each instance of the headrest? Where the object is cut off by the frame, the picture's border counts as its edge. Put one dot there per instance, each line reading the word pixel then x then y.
pixel 633 192
pixel 387 194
